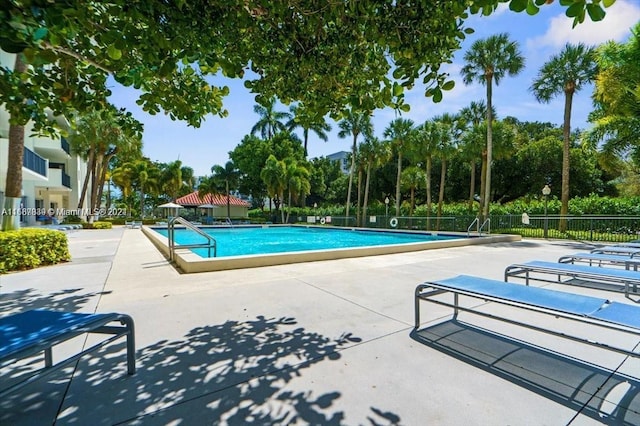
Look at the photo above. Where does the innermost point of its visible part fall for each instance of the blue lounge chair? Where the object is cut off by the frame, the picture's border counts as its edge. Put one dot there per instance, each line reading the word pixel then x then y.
pixel 591 311
pixel 32 332
pixel 602 259
pixel 627 251
pixel 617 277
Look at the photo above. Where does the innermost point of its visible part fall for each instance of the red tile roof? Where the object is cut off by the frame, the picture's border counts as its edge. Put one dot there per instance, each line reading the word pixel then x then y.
pixel 194 200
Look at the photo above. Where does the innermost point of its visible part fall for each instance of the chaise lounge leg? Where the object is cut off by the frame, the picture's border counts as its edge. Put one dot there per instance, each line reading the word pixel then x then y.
pixel 131 345
pixel 48 357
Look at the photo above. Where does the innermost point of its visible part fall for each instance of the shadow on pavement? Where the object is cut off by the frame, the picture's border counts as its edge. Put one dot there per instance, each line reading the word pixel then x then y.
pixel 585 388
pixel 230 373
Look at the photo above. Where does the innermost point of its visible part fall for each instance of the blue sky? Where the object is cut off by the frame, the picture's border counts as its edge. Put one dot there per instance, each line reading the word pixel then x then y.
pixel 539 36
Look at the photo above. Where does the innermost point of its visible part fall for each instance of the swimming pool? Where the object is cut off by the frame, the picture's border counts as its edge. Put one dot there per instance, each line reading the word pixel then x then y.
pixel 269 240
pixel 400 242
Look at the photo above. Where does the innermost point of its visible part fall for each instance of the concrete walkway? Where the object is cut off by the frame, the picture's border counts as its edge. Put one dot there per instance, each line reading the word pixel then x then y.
pixel 313 343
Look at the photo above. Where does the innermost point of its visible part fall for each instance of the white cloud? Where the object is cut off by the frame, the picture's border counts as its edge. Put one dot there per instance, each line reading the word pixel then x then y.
pixel 621 16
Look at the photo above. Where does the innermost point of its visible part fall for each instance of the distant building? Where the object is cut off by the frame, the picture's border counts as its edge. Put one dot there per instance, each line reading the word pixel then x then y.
pixel 215 204
pixel 342 157
pixel 52 175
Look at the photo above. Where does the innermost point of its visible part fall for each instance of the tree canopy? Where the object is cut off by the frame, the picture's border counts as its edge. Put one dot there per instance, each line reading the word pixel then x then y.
pixel 327 55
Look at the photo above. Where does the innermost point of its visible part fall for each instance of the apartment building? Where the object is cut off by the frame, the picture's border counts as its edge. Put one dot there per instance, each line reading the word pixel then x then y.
pixel 52 175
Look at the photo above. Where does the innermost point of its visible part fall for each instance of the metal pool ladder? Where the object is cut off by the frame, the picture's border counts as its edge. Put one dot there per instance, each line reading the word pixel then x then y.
pixel 211 242
pixel 479 227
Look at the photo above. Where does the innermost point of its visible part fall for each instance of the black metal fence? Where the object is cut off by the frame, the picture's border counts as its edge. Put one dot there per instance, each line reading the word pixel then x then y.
pixel 584 228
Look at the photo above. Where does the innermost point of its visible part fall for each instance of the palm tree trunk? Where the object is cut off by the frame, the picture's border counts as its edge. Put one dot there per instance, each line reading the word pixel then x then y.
pixel 487 192
pixel 351 170
pixel 141 200
pixel 443 172
pixel 483 184
pixel 413 198
pixel 472 184
pixel 358 223
pixel 228 200
pixel 15 158
pixel 103 176
pixel 428 182
pixel 564 208
pixel 90 164
pixel 398 182
pixel 366 194
pixel 281 195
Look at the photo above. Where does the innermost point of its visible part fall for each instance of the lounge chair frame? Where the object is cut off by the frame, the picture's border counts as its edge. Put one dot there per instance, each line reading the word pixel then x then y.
pixel 620 250
pixel 456 286
pixel 628 279
pixel 601 259
pixel 23 344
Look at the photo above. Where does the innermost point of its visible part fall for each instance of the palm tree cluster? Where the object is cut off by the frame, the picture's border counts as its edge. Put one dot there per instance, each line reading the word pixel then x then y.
pixel 413 160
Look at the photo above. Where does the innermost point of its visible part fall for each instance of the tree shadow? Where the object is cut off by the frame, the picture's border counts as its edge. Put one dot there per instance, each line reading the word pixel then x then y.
pixel 237 372
pixel 69 300
pixel 589 389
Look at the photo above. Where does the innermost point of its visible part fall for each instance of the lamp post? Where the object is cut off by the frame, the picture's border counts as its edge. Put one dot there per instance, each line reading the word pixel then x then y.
pixel 315 212
pixel 546 191
pixel 386 205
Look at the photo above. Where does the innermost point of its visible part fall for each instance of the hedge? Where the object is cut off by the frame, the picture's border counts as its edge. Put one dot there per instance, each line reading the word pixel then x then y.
pixel 30 248
pixel 97 225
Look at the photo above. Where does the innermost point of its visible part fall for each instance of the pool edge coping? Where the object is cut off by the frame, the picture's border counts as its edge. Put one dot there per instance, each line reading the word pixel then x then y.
pixel 189 262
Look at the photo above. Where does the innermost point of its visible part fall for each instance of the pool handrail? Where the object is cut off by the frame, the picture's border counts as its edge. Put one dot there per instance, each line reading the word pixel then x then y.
pixel 211 241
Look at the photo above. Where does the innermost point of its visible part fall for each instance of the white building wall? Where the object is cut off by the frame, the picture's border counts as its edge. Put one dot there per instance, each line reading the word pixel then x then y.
pixel 38 191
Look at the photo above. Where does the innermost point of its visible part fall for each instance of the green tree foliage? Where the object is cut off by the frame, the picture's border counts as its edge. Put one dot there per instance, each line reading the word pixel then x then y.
pixel 327 181
pixel 176 180
pixel 98 137
pixel 249 156
pixel 326 56
pixel 271 121
pixel 306 120
pixel 617 101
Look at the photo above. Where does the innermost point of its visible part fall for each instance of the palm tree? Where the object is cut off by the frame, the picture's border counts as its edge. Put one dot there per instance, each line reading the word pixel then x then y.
pixel 229 175
pixel 270 121
pixel 473 115
pixel 487 61
pixel 98 139
pixel 423 147
pixel 302 118
pixel 145 175
pixel 122 177
pixel 297 180
pixel 566 72
pixel 373 152
pixel 355 124
pixel 274 175
pixel 411 179
pixel 171 179
pixel 398 132
pixel 448 133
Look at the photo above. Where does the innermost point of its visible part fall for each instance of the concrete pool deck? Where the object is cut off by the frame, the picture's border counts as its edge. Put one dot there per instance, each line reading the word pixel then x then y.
pixel 324 342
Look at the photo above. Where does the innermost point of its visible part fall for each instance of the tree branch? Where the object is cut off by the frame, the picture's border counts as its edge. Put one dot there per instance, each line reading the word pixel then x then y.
pixel 77 56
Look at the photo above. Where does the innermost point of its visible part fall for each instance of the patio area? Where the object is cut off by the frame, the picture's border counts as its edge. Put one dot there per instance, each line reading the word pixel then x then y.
pixel 326 342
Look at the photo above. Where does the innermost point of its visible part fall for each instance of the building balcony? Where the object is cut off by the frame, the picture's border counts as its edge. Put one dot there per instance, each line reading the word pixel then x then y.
pixel 35 163
pixel 53 149
pixel 59 180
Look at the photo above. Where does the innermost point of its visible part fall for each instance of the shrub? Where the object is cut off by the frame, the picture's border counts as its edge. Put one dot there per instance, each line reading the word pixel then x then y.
pixel 97 225
pixel 30 248
pixel 72 219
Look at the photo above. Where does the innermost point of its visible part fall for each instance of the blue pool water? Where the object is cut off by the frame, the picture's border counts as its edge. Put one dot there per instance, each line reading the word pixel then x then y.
pixel 268 240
